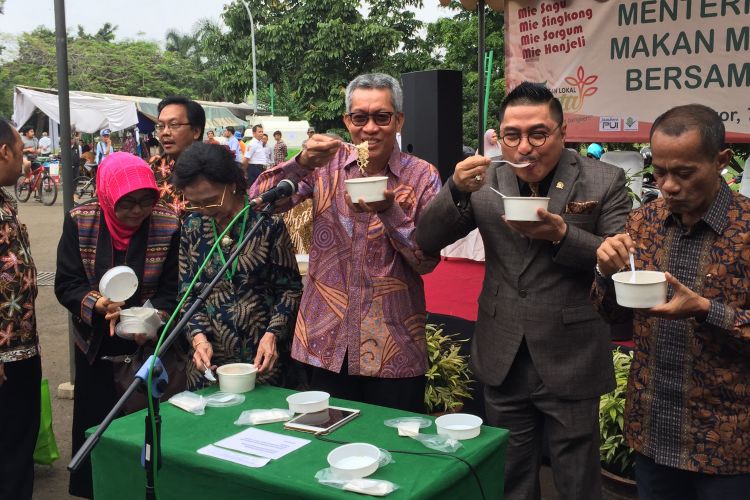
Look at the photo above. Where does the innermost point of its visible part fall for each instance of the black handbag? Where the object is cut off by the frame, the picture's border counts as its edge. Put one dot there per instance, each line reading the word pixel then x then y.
pixel 124 368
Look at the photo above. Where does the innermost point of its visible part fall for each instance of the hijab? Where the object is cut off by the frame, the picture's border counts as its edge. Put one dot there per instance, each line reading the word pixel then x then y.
pixel 118 175
pixel 491 150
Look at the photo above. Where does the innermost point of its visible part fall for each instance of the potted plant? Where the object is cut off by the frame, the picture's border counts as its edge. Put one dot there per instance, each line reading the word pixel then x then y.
pixel 615 455
pixel 448 375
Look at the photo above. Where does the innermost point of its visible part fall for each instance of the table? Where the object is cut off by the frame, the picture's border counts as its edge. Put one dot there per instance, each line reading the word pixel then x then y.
pixel 186 474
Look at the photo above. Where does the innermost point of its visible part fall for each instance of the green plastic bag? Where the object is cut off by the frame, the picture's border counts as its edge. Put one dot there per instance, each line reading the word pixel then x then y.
pixel 46 450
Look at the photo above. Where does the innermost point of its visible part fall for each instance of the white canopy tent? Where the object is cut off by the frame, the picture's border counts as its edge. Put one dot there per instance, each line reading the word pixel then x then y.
pixel 88 113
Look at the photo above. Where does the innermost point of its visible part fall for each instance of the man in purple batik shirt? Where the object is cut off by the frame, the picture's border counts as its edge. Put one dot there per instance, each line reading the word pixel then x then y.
pixel 361 323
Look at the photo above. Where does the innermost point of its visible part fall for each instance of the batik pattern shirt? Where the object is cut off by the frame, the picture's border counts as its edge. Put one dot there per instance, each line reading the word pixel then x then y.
pixel 365 295
pixel 162 167
pixel 279 152
pixel 688 402
pixel 261 296
pixel 18 289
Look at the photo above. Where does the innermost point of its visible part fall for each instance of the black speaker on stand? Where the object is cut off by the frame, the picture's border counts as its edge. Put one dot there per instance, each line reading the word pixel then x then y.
pixel 433 125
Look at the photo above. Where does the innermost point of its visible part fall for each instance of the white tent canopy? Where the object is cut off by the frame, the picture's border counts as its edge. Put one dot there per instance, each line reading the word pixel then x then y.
pixel 88 114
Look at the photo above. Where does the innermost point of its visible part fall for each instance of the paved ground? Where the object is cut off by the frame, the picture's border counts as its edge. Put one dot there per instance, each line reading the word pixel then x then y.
pixel 45 225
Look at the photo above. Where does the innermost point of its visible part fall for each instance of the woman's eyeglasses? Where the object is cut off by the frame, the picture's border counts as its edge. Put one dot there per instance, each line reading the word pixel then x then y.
pixel 381 118
pixel 536 139
pixel 192 207
pixel 127 204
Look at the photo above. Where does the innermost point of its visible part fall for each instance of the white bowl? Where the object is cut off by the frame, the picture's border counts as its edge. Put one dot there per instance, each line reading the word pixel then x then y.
pixel 303 262
pixel 237 377
pixel 649 289
pixel 128 329
pixel 147 315
pixel 458 425
pixel 523 208
pixel 308 401
pixel 368 188
pixel 118 284
pixel 354 460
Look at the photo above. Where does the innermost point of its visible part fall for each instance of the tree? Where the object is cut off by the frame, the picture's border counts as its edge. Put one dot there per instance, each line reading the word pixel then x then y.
pixel 311 50
pixel 97 65
pixel 456 39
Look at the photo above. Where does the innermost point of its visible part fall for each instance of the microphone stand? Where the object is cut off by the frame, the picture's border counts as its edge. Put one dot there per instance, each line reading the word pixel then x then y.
pixel 160 379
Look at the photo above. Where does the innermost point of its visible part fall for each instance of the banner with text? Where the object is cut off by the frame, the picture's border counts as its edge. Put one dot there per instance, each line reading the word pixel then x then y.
pixel 616 65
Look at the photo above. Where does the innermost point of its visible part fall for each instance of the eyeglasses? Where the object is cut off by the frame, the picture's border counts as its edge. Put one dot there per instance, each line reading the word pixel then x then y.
pixel 536 139
pixel 191 207
pixel 381 118
pixel 127 204
pixel 171 126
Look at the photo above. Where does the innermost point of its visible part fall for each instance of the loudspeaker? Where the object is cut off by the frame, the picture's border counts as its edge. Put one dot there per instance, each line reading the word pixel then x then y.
pixel 433 118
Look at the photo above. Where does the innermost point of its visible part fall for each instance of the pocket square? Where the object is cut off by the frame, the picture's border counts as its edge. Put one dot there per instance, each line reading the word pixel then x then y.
pixel 581 207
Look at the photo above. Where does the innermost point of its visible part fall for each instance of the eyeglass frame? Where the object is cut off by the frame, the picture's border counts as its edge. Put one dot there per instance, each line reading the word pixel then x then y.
pixel 131 204
pixel 171 126
pixel 528 138
pixel 371 116
pixel 193 208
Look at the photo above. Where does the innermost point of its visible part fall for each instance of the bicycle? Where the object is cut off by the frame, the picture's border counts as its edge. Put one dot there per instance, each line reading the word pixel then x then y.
pixel 38 181
pixel 84 187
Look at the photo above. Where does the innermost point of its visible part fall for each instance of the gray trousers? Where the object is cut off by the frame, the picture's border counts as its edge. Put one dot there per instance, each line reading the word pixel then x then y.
pixel 523 405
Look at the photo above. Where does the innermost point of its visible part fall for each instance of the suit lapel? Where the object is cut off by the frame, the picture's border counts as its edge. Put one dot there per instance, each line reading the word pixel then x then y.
pixel 559 192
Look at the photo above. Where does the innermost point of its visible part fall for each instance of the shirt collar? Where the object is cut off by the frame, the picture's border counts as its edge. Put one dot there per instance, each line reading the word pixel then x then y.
pixel 394 160
pixel 716 215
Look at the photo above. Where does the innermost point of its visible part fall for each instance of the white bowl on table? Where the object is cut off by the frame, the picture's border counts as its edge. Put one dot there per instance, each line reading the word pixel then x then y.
pixel 370 189
pixel 523 208
pixel 354 460
pixel 649 289
pixel 459 425
pixel 308 401
pixel 237 377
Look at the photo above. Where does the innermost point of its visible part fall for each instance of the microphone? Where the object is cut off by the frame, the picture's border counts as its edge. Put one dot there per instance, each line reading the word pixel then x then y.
pixel 284 188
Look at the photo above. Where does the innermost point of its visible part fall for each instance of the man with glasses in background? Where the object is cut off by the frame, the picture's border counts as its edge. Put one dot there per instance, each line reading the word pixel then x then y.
pixel 540 349
pixel 361 323
pixel 181 122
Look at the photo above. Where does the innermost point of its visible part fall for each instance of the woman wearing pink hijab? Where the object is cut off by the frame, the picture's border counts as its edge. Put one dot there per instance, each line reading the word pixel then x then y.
pixel 126 226
pixel 491 146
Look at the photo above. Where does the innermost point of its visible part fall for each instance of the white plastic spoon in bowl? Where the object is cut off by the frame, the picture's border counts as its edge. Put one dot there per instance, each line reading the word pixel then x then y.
pixel 498 192
pixel 516 165
pixel 632 267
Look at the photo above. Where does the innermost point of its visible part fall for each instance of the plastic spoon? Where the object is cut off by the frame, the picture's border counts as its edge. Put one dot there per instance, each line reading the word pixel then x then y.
pixel 516 165
pixel 498 192
pixel 632 267
pixel 209 375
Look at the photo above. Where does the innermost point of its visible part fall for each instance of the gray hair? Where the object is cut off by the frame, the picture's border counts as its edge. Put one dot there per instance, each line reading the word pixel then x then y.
pixel 376 81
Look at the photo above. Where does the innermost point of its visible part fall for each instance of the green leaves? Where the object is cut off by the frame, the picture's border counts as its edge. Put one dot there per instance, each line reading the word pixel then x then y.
pixel 614 453
pixel 448 375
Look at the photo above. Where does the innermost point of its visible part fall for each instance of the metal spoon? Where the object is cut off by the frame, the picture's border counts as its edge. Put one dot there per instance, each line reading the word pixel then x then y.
pixel 498 192
pixel 516 165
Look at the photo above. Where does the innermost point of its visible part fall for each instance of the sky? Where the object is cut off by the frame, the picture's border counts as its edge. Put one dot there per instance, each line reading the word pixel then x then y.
pixel 135 18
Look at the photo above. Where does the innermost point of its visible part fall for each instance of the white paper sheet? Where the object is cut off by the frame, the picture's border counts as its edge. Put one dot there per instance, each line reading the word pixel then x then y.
pixel 233 456
pixel 262 443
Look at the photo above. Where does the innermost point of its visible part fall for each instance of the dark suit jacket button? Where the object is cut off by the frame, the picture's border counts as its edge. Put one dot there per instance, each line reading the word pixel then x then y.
pixel 522 293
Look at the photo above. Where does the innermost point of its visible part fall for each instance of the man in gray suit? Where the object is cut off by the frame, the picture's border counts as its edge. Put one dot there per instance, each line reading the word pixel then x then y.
pixel 539 347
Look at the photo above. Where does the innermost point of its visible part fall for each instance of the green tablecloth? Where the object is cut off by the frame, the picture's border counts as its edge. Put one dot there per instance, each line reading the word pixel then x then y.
pixel 186 474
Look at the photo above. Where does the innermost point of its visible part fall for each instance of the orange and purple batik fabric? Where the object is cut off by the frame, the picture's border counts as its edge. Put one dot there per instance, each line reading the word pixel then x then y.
pixel 18 289
pixel 688 403
pixel 364 296
pixel 162 167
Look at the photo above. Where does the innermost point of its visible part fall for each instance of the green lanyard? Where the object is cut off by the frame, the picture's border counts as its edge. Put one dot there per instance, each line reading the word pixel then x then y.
pixel 230 273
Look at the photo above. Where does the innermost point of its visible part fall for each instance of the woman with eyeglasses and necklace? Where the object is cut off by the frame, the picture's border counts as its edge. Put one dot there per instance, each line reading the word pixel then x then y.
pixel 250 314
pixel 126 226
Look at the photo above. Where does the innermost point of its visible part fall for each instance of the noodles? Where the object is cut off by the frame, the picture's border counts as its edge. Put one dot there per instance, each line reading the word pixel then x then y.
pixel 363 156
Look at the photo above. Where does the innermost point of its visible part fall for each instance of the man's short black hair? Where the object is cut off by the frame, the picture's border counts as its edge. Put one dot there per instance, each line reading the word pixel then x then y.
pixel 195 113
pixel 533 93
pixel 256 127
pixel 213 162
pixel 705 120
pixel 7 135
pixel 231 129
pixel 277 132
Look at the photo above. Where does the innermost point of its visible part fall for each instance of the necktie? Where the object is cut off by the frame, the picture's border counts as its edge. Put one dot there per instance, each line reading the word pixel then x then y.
pixel 534 187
